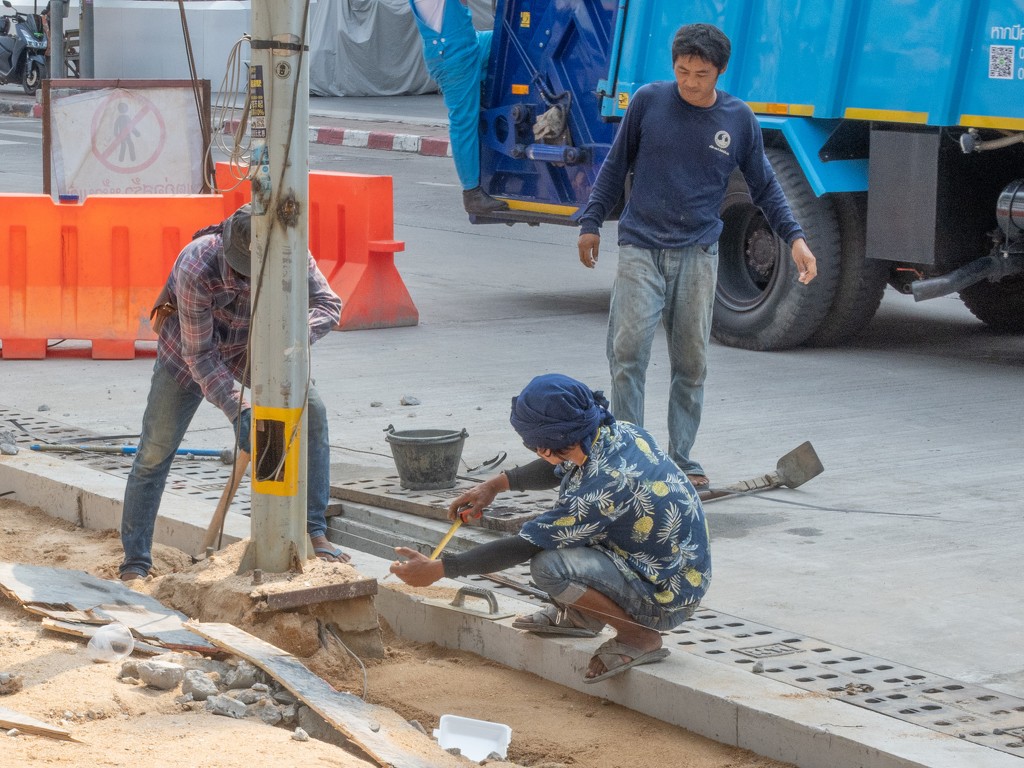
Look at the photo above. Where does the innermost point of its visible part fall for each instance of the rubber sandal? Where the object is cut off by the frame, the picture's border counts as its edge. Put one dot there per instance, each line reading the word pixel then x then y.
pixel 553 621
pixel 700 483
pixel 330 554
pixel 611 652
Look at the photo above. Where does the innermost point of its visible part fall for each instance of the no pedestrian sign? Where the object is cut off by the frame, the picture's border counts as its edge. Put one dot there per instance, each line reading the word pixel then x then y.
pixel 125 140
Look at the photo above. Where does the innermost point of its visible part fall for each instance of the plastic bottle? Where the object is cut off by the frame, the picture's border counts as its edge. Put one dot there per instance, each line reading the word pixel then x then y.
pixel 112 642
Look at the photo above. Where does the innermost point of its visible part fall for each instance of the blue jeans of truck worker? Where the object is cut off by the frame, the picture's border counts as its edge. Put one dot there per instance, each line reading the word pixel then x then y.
pixel 678 288
pixel 456 57
pixel 169 412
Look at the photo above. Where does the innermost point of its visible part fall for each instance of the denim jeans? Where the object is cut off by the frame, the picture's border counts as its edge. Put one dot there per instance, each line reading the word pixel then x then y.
pixel 678 288
pixel 169 411
pixel 565 574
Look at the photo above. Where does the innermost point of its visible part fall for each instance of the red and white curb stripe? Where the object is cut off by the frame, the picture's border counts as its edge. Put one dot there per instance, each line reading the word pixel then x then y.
pixel 350 137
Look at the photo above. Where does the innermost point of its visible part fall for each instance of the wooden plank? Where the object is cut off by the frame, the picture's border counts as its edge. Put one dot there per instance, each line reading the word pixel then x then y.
pixel 11 719
pixel 381 733
pixel 279 601
pixel 62 590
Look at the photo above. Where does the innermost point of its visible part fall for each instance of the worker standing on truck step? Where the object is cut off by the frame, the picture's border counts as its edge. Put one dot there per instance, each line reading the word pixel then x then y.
pixel 202 322
pixel 626 543
pixel 456 57
pixel 680 141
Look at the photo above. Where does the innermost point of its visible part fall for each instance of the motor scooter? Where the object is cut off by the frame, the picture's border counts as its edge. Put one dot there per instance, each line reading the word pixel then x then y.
pixel 22 49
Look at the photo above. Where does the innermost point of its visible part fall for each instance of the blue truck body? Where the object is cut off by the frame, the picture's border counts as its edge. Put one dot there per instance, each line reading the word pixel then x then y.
pixel 902 123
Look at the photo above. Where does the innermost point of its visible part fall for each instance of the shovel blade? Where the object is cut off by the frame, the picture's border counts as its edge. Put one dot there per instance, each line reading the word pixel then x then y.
pixel 799 465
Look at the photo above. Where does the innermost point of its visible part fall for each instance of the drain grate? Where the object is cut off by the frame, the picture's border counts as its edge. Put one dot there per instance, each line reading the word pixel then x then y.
pixel 507 514
pixel 973 713
pixel 193 477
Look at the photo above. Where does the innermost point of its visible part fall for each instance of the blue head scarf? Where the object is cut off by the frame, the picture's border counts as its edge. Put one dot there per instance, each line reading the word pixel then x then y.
pixel 555 411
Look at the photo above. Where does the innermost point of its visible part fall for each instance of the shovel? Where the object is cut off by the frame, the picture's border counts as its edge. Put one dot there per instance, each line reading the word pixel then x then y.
pixel 792 470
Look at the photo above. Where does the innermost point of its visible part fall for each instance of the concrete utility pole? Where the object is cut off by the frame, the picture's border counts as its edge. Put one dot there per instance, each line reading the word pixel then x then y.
pixel 278 125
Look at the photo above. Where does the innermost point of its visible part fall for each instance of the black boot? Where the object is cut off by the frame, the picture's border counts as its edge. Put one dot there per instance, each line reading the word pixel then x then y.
pixel 475 200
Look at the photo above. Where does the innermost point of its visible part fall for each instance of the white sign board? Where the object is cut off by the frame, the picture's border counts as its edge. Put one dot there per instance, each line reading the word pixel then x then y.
pixel 125 141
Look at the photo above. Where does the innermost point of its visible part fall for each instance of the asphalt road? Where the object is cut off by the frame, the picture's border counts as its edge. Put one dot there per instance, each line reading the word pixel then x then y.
pixel 906 548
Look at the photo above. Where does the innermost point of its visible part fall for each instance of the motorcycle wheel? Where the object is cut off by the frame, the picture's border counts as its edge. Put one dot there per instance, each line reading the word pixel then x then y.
pixel 33 76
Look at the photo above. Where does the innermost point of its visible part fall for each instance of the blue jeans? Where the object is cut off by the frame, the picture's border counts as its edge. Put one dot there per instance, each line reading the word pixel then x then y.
pixel 169 411
pixel 565 574
pixel 676 287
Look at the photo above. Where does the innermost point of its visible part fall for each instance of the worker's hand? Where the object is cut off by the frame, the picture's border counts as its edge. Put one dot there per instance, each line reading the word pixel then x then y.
pixel 243 430
pixel 471 504
pixel 418 570
pixel 589 246
pixel 806 264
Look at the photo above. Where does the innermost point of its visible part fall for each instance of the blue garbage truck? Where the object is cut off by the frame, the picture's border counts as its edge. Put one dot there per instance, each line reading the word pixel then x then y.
pixel 895 128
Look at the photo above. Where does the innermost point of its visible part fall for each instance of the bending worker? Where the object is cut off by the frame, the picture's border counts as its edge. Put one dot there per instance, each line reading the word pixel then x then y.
pixel 626 543
pixel 203 336
pixel 456 57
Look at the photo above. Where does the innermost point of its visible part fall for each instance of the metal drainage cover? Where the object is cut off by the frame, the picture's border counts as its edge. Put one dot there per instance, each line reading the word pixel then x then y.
pixel 980 715
pixel 508 514
pixel 193 477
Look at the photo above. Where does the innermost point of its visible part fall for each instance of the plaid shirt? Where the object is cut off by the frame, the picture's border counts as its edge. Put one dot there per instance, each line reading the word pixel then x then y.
pixel 203 345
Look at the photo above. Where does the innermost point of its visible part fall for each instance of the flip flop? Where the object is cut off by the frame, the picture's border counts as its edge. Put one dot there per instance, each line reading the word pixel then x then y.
pixel 700 483
pixel 554 621
pixel 330 554
pixel 611 653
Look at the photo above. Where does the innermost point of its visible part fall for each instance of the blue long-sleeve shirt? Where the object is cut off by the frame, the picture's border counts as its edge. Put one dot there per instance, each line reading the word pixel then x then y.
pixel 681 157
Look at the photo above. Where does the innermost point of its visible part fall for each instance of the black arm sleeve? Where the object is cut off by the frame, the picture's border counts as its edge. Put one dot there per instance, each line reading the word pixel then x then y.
pixel 538 475
pixel 489 558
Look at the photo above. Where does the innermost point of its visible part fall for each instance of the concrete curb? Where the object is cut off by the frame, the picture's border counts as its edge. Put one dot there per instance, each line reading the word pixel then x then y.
pixel 420 144
pixel 729 705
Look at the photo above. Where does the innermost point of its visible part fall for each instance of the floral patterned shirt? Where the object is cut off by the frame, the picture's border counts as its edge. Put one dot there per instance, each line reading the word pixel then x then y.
pixel 631 500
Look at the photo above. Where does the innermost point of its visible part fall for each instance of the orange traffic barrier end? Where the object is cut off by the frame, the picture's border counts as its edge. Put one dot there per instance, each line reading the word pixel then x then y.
pixel 373 294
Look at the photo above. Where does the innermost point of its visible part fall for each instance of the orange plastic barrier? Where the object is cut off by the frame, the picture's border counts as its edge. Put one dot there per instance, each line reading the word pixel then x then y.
pixel 351 235
pixel 89 271
pixel 92 271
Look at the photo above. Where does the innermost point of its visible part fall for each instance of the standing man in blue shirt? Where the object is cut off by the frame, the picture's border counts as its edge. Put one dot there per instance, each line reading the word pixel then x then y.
pixel 681 140
pixel 456 57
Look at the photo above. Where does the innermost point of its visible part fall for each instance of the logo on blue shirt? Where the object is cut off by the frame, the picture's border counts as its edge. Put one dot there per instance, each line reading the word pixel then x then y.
pixel 722 142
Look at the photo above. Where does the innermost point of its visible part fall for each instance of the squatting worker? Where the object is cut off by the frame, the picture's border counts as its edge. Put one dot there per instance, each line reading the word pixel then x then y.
pixel 202 345
pixel 626 544
pixel 456 57
pixel 681 141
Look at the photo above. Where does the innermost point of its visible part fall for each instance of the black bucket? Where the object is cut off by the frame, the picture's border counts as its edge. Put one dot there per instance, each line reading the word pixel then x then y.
pixel 427 459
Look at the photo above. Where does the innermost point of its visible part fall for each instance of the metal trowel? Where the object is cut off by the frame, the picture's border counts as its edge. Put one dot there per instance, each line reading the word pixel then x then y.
pixel 792 470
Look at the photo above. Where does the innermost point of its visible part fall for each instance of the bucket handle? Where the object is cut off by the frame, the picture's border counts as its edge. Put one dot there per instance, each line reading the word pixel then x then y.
pixel 390 429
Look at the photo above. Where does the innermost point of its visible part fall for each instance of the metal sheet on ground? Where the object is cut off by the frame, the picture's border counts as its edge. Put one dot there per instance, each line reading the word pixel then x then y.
pixel 42 587
pixel 381 733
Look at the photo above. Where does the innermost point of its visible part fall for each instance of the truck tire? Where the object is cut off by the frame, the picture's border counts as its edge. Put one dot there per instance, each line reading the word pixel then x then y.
pixel 1000 305
pixel 759 304
pixel 861 281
